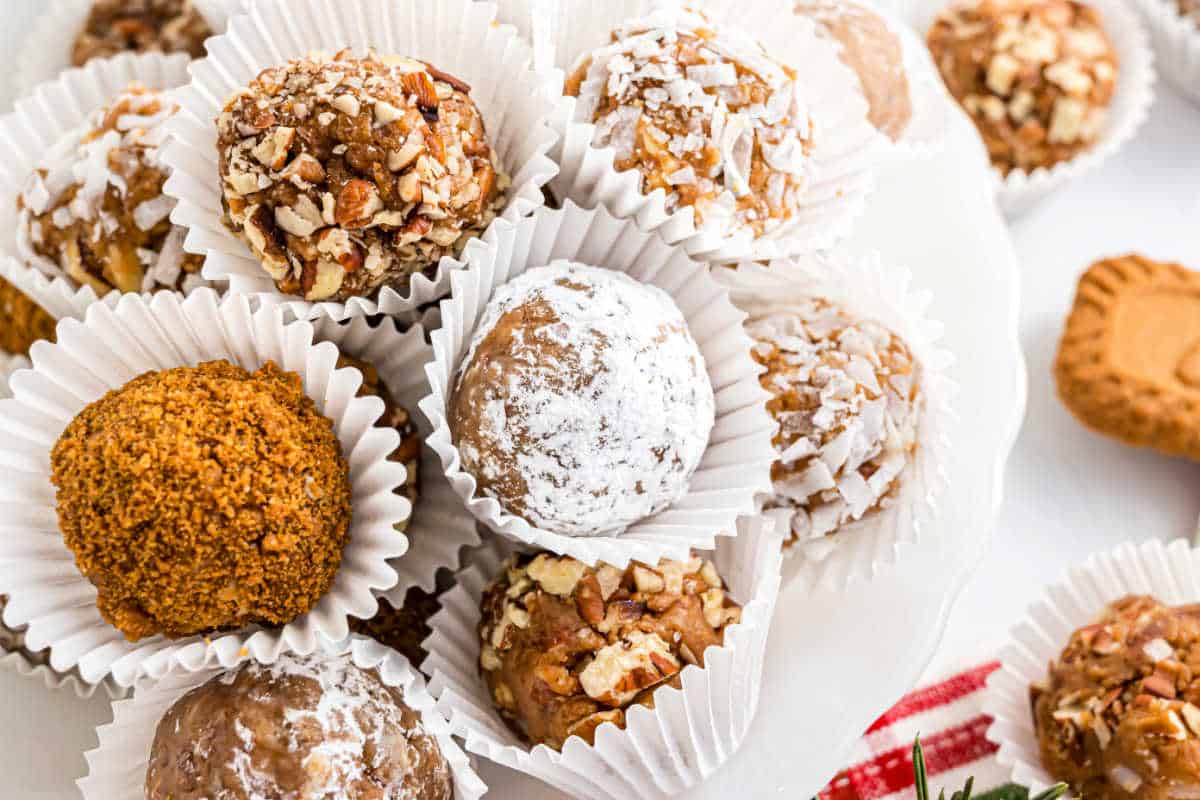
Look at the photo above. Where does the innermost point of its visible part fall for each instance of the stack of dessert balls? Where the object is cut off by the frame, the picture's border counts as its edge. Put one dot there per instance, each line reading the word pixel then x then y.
pixel 208 498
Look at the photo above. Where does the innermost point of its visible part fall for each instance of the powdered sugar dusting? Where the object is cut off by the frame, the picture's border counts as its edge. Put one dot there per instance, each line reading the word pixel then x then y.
pixel 674 93
pixel 845 393
pixel 602 405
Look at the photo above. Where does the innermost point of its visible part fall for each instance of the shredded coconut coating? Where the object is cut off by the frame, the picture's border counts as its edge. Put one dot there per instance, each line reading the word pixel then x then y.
pixel 140 26
pixel 705 115
pixel 202 498
pixel 22 321
pixel 868 46
pixel 348 174
pixel 583 404
pixel 1037 77
pixel 304 728
pixel 846 395
pixel 94 210
pixel 1119 714
pixel 565 647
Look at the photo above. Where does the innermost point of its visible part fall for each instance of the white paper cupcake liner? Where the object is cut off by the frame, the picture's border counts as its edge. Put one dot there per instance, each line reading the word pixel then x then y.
pixel 683 740
pixel 52 110
pixel 46 49
pixel 1176 45
pixel 440 527
pixel 112 346
pixel 867 287
pixel 10 363
pixel 847 146
pixel 16 657
pixel 736 464
pixel 1169 572
pixel 459 36
pixel 1019 191
pixel 117 767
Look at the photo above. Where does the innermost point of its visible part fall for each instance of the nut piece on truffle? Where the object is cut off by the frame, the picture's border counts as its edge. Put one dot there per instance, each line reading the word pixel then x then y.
pixel 22 321
pixel 348 174
pixel 140 26
pixel 202 498
pixel 1036 76
pixel 395 416
pixel 846 395
pixel 566 647
pixel 402 629
pixel 94 208
pixel 869 47
pixel 705 115
pixel 1119 714
pixel 583 404
pixel 312 727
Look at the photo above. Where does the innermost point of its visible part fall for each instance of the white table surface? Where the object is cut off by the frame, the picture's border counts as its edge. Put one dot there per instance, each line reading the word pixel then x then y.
pixel 1068 493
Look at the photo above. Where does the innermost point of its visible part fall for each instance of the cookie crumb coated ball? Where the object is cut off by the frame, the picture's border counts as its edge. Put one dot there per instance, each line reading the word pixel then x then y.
pixel 1037 77
pixel 845 393
pixel 565 647
pixel 305 728
pixel 94 208
pixel 202 498
pixel 396 417
pixel 869 47
pixel 348 174
pixel 140 26
pixel 582 404
pixel 706 116
pixel 22 321
pixel 1119 714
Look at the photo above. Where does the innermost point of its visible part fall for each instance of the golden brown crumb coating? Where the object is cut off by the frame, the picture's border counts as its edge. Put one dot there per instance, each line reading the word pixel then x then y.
pixel 22 321
pixel 201 498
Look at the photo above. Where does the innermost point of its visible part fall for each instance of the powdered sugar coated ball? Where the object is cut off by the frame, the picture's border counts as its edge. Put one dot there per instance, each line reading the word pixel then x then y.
pixel 846 394
pixel 583 403
pixel 706 116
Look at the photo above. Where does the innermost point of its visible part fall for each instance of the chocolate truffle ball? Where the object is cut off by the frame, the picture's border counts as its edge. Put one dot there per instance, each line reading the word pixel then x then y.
pixel 403 629
pixel 868 46
pixel 1036 76
pixel 1119 714
pixel 705 115
pixel 140 26
pixel 94 208
pixel 565 647
pixel 396 417
pixel 846 395
pixel 304 728
pixel 582 404
pixel 345 175
pixel 22 321
pixel 201 498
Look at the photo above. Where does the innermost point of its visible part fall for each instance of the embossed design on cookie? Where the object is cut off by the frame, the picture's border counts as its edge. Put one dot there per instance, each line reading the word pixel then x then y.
pixel 1128 364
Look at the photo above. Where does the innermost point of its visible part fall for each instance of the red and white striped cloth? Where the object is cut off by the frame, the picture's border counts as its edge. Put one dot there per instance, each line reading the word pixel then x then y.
pixel 947 715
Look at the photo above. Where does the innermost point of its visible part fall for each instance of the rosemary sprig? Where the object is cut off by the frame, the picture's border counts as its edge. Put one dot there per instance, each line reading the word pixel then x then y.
pixel 921 781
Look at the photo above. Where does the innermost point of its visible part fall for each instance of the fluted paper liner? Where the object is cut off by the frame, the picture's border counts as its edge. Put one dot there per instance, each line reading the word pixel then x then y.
pixel 847 145
pixel 736 464
pixel 440 527
pixel 15 657
pixel 45 52
pixel 1019 190
pixel 105 351
pixel 688 734
pixel 869 288
pixel 117 767
pixel 1169 572
pixel 52 110
pixel 458 36
pixel 1176 41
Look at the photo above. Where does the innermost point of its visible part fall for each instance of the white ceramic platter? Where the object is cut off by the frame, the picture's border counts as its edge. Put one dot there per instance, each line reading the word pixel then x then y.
pixel 836 659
